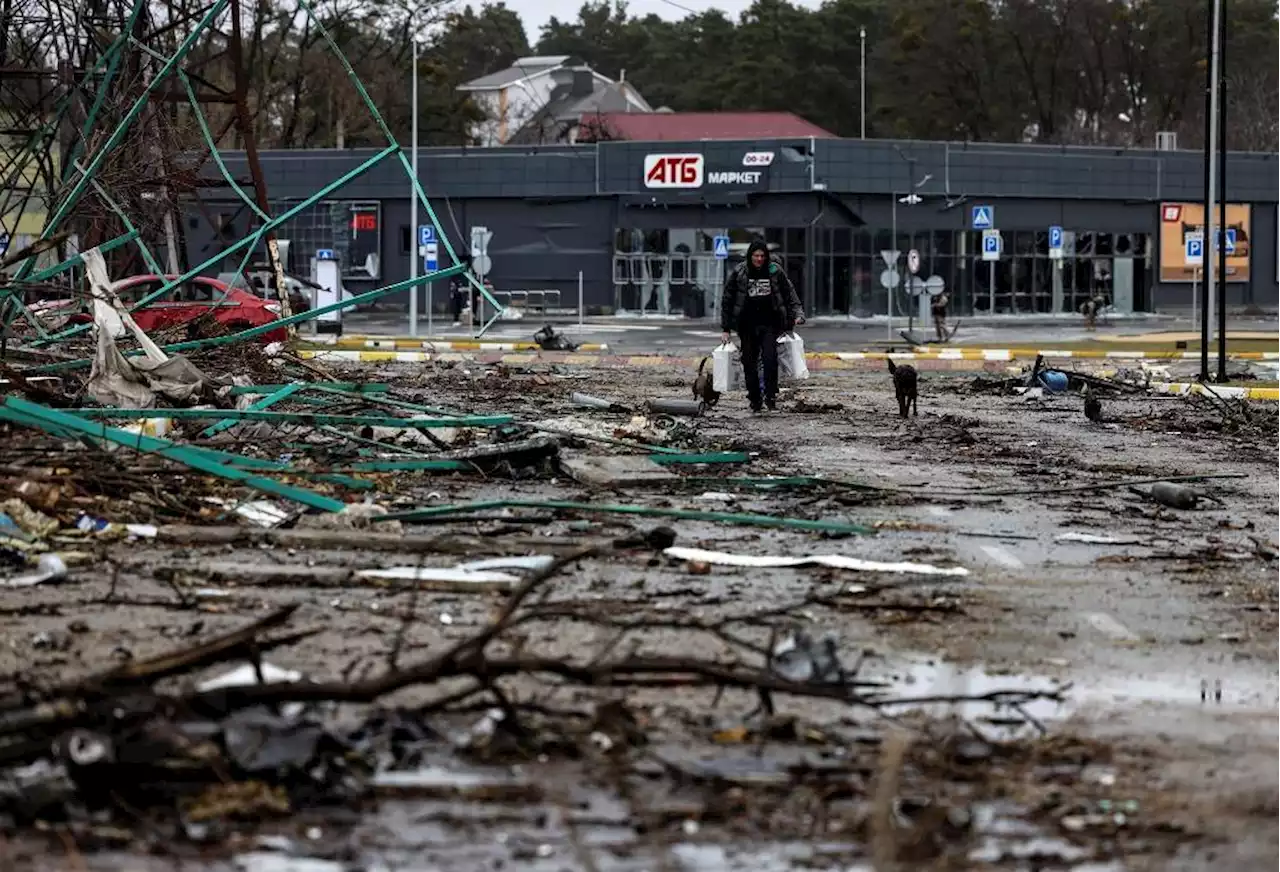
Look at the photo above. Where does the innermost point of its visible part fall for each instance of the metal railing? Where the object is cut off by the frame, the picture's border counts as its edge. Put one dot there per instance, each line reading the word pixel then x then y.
pixel 537 300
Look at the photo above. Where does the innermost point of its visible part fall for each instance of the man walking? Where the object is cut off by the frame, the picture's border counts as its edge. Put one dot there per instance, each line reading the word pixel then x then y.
pixel 761 304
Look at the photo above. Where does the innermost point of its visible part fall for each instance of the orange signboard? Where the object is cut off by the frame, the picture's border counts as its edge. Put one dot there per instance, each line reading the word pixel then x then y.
pixel 1177 220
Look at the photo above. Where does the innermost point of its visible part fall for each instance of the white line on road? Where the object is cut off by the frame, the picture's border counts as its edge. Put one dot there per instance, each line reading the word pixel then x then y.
pixel 1001 556
pixel 939 511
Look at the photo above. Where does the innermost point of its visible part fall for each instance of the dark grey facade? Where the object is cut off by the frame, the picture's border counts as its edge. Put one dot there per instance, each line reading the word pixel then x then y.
pixel 827 207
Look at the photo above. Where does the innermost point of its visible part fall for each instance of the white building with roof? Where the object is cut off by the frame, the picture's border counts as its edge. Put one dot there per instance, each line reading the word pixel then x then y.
pixel 529 91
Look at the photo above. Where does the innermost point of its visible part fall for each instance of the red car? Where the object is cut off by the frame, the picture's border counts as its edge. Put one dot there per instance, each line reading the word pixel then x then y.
pixel 234 308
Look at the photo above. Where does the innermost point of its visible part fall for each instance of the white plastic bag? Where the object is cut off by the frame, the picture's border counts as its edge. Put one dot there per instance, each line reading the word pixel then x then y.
pixel 726 368
pixel 791 362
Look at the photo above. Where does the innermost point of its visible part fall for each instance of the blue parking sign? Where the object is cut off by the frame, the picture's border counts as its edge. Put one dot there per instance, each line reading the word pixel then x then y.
pixel 426 234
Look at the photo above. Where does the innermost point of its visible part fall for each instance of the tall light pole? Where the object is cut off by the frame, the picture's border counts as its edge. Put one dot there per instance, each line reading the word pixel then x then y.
pixel 862 80
pixel 1211 193
pixel 413 185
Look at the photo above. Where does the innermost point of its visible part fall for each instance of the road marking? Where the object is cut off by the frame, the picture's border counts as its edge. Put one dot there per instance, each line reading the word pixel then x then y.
pixel 1109 626
pixel 1001 556
pixel 939 511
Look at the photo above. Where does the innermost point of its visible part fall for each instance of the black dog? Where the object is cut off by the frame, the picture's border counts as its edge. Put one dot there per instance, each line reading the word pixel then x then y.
pixel 904 386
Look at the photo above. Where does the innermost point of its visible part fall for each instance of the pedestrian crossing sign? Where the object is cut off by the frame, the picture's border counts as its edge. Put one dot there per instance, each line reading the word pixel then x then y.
pixel 983 218
pixel 721 247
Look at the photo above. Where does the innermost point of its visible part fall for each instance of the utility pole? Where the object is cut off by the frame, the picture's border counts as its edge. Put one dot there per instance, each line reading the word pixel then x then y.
pixel 1222 190
pixel 1210 190
pixel 862 81
pixel 414 239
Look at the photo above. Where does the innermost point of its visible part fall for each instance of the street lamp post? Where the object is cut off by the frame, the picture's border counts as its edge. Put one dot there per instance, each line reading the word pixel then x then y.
pixel 911 199
pixel 1211 193
pixel 413 192
pixel 862 81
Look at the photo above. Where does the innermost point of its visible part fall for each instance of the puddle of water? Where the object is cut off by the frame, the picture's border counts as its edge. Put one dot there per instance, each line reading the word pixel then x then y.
pixel 263 861
pixel 933 678
pixel 1240 692
pixel 765 858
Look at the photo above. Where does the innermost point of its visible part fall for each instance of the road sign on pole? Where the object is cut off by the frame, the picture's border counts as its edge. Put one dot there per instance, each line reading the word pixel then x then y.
pixel 721 247
pixel 431 256
pixel 1231 239
pixel 426 234
pixel 890 256
pixel 991 245
pixel 1055 242
pixel 1193 250
pixel 983 217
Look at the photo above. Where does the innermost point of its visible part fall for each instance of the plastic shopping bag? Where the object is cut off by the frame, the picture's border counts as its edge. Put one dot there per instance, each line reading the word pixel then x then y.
pixel 726 368
pixel 791 363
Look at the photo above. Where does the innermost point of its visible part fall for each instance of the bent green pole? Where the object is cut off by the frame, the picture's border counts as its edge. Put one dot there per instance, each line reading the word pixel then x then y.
pixel 53 419
pixel 77 190
pixel 247 242
pixel 265 328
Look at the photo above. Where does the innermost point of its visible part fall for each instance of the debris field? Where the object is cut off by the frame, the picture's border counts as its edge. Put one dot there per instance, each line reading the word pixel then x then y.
pixel 466 616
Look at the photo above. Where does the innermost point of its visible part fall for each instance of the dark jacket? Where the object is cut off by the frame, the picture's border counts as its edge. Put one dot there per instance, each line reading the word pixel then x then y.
pixel 786 303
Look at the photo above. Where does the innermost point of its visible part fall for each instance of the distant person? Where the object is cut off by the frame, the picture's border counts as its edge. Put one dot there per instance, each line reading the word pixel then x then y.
pixel 458 291
pixel 938 308
pixel 1090 309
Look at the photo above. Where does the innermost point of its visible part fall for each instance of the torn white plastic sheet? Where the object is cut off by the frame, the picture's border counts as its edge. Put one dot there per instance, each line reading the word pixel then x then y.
pixel 834 561
pixel 50 568
pixel 443 578
pixel 247 675
pixel 530 563
pixel 1096 539
pixel 115 380
pixel 264 513
pixel 109 314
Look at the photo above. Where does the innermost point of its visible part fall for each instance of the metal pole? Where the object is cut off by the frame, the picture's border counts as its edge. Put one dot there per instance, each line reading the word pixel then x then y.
pixel 414 254
pixel 1210 189
pixel 991 287
pixel 893 266
pixel 862 81
pixel 581 311
pixel 1195 298
pixel 1222 189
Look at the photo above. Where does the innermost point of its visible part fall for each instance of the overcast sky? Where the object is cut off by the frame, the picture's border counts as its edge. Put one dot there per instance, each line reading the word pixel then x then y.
pixel 536 12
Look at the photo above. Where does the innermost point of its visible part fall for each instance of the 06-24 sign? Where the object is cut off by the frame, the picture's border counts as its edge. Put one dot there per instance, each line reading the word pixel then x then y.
pixel 673 170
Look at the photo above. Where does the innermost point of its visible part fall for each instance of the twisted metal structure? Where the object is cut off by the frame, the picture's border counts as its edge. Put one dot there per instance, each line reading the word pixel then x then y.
pixel 113 114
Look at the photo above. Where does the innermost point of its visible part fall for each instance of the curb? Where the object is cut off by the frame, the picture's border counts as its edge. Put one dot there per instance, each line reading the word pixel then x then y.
pixel 824 362
pixel 1226 392
pixel 360 344
pixel 1083 354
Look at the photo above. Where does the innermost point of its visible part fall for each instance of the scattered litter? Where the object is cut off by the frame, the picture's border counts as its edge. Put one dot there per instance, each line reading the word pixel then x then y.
pixel 249 675
pixel 441 578
pixel 834 561
pixel 1097 539
pixel 50 567
pixel 264 513
pixel 801 658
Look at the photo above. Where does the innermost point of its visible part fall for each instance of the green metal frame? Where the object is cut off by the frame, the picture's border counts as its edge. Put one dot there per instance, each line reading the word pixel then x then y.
pixel 309 418
pixel 30 414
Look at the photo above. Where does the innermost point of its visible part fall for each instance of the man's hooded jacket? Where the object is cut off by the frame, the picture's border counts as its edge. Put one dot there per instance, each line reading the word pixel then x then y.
pixel 745 288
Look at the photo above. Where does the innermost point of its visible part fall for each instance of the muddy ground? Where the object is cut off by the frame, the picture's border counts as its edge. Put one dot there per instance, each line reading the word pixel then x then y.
pixel 1145 737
